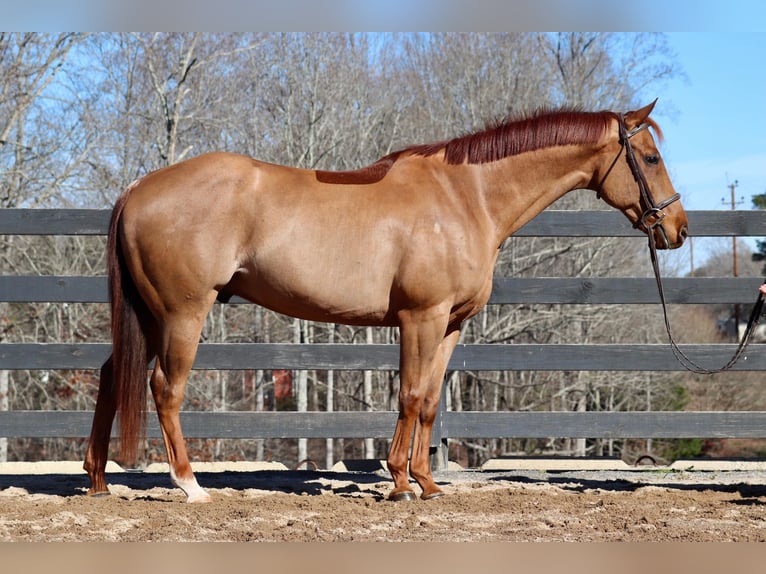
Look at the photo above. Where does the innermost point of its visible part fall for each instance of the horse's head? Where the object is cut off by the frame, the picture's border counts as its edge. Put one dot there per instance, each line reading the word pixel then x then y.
pixel 632 177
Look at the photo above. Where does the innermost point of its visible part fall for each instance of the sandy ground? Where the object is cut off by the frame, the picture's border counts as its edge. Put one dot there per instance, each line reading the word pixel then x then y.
pixel 646 504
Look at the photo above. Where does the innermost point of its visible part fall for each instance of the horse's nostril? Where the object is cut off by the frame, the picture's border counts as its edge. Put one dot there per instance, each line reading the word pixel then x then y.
pixel 683 233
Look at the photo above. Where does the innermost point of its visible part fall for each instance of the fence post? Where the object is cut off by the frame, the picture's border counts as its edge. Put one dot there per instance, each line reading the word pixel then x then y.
pixel 439 448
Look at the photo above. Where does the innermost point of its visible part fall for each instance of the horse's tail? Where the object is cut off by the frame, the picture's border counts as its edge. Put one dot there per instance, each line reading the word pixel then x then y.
pixel 129 345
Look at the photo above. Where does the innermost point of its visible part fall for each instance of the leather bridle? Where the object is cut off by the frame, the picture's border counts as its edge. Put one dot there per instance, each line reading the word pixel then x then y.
pixel 651 219
pixel 653 213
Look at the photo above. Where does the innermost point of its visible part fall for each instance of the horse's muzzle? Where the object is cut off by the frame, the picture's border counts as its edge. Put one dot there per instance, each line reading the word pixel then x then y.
pixel 661 239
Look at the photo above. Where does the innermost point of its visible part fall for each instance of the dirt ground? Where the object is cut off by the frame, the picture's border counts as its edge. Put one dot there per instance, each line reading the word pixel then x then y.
pixel 313 506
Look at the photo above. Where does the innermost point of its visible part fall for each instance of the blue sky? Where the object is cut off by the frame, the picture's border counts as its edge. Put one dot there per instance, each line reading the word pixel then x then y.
pixel 715 121
pixel 717 132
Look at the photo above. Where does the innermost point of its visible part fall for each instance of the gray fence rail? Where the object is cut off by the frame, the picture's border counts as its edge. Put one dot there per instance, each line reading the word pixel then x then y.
pixel 570 357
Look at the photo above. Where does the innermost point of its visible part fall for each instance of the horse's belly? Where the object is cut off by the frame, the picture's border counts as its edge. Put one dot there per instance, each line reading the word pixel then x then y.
pixel 348 301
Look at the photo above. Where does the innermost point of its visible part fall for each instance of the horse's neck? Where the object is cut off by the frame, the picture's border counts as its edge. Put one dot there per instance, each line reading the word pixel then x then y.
pixel 516 189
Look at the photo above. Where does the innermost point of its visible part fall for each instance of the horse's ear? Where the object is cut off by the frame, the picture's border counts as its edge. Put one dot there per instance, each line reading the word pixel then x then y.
pixel 638 117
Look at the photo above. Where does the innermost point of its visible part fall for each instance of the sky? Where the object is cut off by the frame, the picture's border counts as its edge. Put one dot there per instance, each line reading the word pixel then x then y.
pixel 715 121
pixel 717 133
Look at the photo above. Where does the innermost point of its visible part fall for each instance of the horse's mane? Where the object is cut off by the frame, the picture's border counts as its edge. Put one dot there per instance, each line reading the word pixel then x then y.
pixel 512 136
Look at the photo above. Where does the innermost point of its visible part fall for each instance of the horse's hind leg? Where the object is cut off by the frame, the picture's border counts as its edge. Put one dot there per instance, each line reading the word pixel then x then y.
pixel 98 445
pixel 179 341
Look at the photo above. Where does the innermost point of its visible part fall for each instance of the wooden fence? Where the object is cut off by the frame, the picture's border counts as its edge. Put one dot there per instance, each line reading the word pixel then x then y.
pixel 467 425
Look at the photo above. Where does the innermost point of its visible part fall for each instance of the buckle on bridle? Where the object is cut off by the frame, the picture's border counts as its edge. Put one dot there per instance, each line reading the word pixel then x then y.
pixel 629 134
pixel 649 213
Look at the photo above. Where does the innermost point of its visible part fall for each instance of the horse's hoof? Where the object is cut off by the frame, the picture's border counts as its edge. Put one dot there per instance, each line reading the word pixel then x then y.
pixel 433 495
pixel 403 496
pixel 101 494
pixel 199 498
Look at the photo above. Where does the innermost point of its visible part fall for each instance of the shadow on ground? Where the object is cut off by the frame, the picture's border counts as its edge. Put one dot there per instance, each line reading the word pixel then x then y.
pixel 306 482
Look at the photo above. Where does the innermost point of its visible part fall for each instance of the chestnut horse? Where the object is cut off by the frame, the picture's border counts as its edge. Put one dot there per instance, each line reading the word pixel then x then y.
pixel 410 241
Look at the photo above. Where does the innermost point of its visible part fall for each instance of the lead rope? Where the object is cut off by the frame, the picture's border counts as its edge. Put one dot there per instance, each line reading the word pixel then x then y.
pixel 682 358
pixel 654 209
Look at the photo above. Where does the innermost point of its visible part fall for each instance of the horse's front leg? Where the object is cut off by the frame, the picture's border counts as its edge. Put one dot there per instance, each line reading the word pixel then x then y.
pixel 421 335
pixel 420 463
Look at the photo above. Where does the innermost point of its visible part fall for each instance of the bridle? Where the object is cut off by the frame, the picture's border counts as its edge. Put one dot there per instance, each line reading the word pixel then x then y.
pixel 653 215
pixel 651 219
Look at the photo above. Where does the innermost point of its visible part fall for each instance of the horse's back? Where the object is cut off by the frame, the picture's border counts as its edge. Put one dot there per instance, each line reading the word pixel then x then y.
pixel 204 178
pixel 215 195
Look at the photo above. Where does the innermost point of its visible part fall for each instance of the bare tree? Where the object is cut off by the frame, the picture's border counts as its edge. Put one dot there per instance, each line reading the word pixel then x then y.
pixel 39 143
pixel 162 98
pixel 606 70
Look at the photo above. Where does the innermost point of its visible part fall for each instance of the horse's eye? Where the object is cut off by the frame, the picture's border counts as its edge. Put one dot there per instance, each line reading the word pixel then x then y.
pixel 652 159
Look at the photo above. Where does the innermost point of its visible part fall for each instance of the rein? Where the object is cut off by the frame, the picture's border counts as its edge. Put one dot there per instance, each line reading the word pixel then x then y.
pixel 651 219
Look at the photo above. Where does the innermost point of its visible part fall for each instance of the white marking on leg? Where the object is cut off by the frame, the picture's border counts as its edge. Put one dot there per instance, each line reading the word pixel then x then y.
pixel 194 492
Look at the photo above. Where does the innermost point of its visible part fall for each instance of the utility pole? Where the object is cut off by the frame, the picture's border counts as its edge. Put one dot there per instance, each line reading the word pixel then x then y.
pixel 735 265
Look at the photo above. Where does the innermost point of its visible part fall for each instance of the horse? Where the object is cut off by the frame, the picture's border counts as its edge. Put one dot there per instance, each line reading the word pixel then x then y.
pixel 410 241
